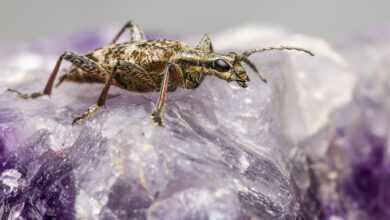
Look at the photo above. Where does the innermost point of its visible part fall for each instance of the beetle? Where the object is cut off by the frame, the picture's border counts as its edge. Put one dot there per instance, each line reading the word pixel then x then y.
pixel 142 65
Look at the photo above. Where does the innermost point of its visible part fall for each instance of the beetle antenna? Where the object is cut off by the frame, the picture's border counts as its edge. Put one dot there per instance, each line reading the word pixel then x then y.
pixel 244 56
pixel 247 53
pixel 253 67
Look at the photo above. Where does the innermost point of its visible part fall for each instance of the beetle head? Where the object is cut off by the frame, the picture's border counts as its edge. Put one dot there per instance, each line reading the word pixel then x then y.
pixel 227 68
pixel 244 58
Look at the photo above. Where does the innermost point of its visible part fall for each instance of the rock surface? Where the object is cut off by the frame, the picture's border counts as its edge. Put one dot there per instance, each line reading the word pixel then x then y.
pixel 224 153
pixel 350 156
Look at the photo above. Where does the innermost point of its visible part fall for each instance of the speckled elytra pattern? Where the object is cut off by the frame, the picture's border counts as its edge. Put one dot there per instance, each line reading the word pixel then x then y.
pixel 142 65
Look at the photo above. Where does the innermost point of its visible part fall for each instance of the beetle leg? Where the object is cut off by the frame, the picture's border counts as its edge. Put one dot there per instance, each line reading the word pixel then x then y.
pixel 102 98
pixel 205 44
pixel 82 62
pixel 136 33
pixel 156 115
pixel 49 84
pixel 120 66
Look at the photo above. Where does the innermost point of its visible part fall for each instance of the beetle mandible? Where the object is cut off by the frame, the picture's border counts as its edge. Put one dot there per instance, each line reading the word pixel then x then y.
pixel 142 65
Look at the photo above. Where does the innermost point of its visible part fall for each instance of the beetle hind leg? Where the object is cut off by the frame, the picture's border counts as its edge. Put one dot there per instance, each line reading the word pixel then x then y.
pixel 89 67
pixel 136 33
pixel 49 84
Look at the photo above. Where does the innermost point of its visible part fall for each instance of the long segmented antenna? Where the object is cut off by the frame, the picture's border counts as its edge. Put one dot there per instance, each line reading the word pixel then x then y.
pixel 253 67
pixel 252 51
pixel 244 57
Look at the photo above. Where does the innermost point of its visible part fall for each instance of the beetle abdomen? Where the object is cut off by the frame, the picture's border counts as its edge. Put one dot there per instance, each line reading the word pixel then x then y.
pixel 152 56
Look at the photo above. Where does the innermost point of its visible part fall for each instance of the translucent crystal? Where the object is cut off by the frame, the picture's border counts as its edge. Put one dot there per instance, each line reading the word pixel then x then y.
pixel 224 152
pixel 312 86
pixel 350 156
pixel 10 180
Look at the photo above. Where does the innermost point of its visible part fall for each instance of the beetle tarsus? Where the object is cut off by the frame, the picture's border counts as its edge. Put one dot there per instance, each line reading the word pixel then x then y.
pixel 25 95
pixel 87 114
pixel 156 117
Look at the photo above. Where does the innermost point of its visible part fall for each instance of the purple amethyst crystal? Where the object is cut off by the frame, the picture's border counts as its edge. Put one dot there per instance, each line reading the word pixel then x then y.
pixel 354 173
pixel 225 152
pixel 36 183
pixel 350 155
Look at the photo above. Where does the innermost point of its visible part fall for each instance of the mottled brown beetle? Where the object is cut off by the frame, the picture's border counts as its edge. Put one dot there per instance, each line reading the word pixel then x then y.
pixel 143 65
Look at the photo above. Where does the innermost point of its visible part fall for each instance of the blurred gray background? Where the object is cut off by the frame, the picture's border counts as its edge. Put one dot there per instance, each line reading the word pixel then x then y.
pixel 28 20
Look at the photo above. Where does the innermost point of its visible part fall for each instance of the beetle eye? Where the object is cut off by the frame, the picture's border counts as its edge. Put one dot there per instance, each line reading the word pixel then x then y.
pixel 221 65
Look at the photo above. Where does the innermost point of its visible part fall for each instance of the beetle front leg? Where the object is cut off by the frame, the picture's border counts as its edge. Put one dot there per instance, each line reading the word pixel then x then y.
pixel 156 115
pixel 136 33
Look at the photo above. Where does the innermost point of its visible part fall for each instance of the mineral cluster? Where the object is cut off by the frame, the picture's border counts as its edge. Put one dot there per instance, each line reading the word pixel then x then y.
pixel 350 155
pixel 309 144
